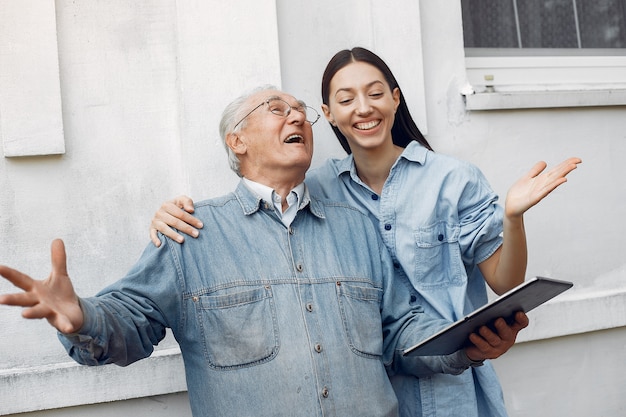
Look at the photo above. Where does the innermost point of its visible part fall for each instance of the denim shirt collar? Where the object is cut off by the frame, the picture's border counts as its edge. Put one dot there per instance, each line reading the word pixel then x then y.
pixel 413 152
pixel 251 202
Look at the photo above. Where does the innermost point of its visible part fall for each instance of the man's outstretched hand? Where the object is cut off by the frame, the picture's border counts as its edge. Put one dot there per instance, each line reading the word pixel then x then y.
pixel 52 299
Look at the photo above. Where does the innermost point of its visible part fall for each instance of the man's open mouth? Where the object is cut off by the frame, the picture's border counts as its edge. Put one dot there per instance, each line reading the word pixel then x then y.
pixel 294 139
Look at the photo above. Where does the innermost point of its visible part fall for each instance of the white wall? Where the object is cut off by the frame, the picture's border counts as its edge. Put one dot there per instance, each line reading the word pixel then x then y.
pixel 142 86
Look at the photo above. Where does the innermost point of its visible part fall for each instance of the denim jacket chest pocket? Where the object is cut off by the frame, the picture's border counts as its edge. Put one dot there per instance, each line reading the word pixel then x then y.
pixel 438 262
pixel 360 309
pixel 238 327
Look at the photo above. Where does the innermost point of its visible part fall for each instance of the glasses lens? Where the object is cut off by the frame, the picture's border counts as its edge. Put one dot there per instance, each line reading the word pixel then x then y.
pixel 312 115
pixel 278 107
pixel 281 108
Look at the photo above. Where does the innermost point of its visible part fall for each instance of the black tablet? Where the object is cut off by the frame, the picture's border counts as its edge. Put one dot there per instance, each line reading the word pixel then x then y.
pixel 524 297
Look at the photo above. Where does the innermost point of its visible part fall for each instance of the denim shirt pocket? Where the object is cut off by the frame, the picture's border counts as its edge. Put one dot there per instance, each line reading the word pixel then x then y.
pixel 360 311
pixel 438 262
pixel 239 328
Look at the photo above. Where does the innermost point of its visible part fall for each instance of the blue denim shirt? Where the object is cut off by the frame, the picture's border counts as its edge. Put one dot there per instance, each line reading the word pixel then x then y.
pixel 438 217
pixel 270 320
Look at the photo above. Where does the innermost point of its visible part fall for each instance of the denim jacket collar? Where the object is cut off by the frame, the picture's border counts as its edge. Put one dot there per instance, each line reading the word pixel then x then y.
pixel 414 152
pixel 251 202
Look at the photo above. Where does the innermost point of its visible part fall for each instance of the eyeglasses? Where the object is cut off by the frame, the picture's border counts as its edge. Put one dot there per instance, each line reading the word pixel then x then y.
pixel 280 107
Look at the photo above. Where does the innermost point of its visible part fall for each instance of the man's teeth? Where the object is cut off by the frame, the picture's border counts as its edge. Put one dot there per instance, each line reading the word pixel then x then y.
pixel 294 138
pixel 368 125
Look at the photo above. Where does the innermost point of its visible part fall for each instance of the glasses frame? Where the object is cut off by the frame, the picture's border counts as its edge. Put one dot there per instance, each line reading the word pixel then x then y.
pixel 289 108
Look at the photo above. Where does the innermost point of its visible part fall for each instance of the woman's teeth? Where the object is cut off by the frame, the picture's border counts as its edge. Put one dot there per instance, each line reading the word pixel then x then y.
pixel 368 125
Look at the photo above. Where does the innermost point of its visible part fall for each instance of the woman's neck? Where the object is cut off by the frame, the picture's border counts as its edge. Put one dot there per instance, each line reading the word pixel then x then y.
pixel 373 165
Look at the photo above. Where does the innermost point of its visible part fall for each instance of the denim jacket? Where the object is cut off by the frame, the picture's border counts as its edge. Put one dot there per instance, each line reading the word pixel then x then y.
pixel 271 321
pixel 438 217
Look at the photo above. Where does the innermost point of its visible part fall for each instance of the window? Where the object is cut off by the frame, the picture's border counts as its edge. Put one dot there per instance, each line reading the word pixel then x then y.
pixel 544 23
pixel 547 46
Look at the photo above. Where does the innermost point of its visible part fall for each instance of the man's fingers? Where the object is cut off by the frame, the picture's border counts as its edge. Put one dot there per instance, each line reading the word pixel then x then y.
pixel 38 311
pixel 16 278
pixel 58 257
pixel 24 299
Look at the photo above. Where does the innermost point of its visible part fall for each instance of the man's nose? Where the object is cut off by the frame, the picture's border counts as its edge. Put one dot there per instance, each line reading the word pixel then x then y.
pixel 296 116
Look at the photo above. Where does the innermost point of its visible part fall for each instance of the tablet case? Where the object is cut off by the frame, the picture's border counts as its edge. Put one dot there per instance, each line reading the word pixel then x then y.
pixel 524 297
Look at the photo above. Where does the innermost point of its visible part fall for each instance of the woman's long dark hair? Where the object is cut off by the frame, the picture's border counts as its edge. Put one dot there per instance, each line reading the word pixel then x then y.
pixel 404 129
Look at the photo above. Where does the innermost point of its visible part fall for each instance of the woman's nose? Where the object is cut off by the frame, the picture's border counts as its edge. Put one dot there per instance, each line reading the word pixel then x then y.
pixel 363 106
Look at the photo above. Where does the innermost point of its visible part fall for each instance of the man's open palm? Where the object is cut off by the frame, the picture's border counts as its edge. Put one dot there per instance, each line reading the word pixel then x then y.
pixel 52 298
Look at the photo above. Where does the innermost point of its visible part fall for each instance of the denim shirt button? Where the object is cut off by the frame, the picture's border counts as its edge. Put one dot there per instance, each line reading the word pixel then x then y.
pixel 374 197
pixel 387 226
pixel 413 298
pixel 318 347
pixel 325 392
pixel 299 267
pixel 440 237
pixel 309 307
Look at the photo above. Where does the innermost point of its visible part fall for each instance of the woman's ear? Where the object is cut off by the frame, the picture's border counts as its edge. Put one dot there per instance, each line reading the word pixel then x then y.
pixel 328 115
pixel 236 144
pixel 396 98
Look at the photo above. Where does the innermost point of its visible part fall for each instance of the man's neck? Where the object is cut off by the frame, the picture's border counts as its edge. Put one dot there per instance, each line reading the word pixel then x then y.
pixel 282 184
pixel 281 188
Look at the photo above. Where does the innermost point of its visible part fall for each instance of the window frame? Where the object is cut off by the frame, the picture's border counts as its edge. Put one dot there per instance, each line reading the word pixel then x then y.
pixel 544 77
pixel 507 82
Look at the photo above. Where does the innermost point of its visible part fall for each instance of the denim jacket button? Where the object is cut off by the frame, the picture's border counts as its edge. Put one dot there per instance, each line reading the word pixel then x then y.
pixel 325 392
pixel 309 307
pixel 318 347
pixel 299 267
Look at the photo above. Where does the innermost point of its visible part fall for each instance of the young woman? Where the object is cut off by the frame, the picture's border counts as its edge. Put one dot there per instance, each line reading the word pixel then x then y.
pixel 437 215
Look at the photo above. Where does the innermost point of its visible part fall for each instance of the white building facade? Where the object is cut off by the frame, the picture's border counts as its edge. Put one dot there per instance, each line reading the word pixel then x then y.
pixel 108 108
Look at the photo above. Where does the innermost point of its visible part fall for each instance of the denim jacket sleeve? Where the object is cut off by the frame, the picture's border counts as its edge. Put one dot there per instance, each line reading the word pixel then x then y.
pixel 124 321
pixel 404 327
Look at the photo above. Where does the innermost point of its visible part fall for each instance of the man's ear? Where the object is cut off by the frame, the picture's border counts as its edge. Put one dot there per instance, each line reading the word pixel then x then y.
pixel 234 142
pixel 328 115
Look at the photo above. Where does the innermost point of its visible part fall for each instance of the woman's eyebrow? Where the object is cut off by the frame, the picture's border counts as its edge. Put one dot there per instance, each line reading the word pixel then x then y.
pixel 367 86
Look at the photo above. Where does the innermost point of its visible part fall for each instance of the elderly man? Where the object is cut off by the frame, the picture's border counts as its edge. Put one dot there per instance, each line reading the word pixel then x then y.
pixel 284 306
